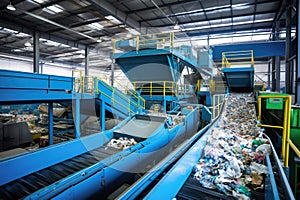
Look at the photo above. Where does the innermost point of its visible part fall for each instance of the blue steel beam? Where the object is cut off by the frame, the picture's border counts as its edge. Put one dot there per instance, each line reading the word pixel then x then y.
pixel 50 123
pixel 23 86
pixel 260 49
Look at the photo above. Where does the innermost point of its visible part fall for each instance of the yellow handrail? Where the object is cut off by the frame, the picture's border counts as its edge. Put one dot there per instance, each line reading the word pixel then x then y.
pixel 162 88
pixel 234 58
pixel 286 142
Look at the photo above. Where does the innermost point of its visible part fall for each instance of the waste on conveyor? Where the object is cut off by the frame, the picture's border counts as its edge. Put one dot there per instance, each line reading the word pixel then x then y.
pixel 233 159
pixel 121 143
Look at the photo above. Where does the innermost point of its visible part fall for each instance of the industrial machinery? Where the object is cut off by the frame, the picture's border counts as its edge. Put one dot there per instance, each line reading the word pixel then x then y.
pixel 180 178
pixel 89 160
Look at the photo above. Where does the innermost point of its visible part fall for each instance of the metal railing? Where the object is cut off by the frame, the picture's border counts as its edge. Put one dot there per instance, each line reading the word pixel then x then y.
pixel 90 84
pixel 217 86
pixel 119 98
pixel 286 142
pixel 164 40
pixel 217 100
pixel 237 59
pixel 164 88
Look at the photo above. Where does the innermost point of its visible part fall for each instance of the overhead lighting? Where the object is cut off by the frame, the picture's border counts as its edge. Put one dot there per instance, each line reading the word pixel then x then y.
pixel 176 27
pixel 96 25
pixel 113 19
pixel 10 7
pixel 55 8
pixel 99 40
pixel 27 44
pixel 133 31
pixel 128 35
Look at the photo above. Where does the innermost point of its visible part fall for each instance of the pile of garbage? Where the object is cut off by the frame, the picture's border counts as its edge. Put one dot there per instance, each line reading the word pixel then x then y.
pixel 233 159
pixel 121 143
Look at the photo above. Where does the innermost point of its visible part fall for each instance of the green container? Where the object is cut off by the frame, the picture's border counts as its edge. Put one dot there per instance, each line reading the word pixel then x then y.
pixel 274 103
pixel 295 126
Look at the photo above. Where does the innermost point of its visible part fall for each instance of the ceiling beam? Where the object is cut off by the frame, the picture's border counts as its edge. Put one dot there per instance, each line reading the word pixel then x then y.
pixel 161 6
pixel 239 28
pixel 191 1
pixel 120 15
pixel 217 18
pixel 5 22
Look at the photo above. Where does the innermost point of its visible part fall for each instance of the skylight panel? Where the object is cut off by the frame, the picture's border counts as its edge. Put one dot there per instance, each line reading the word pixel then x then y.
pixel 55 8
pixel 113 19
pixel 40 1
pixel 10 30
pixel 133 31
pixel 96 26
pixel 21 35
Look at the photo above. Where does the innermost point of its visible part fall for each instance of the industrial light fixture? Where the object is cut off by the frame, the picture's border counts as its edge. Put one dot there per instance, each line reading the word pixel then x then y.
pixel 10 7
pixel 27 44
pixel 99 40
pixel 176 27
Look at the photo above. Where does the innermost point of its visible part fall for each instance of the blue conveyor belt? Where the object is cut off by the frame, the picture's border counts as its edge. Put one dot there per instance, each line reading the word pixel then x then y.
pixel 29 184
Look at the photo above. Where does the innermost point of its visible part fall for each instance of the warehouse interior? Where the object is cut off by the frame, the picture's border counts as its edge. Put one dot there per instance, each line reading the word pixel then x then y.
pixel 149 99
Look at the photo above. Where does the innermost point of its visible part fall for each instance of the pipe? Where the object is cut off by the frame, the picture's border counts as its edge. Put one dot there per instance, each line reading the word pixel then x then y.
pixel 57 24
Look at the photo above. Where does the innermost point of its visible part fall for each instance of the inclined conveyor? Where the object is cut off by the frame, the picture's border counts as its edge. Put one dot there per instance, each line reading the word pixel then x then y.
pixel 67 170
pixel 174 178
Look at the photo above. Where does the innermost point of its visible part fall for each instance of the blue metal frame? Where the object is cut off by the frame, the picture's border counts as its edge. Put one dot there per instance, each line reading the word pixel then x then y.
pixel 148 178
pixel 170 184
pixel 50 123
pixel 28 87
pixel 260 49
pixel 242 77
pixel 110 169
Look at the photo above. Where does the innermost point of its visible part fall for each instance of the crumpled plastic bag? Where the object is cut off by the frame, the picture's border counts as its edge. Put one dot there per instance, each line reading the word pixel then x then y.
pixel 233 170
pixel 264 149
pixel 258 168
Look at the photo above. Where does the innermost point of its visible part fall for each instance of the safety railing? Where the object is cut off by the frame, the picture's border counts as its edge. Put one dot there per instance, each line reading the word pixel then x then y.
pixel 286 141
pixel 237 59
pixel 164 88
pixel 166 40
pixel 118 98
pixel 198 86
pixel 217 86
pixel 259 87
pixel 217 100
pixel 130 101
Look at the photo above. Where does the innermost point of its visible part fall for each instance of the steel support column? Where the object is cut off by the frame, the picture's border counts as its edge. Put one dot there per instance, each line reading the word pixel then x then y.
pixel 36 52
pixel 77 117
pixel 112 72
pixel 277 69
pixel 50 123
pixel 288 42
pixel 298 56
pixel 86 61
pixel 102 113
pixel 273 74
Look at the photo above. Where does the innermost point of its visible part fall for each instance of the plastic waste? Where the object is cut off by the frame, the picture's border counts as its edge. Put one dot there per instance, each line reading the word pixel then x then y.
pixel 264 149
pixel 258 168
pixel 241 189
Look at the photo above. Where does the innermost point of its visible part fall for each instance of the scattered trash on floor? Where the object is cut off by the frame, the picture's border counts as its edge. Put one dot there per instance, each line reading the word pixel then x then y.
pixel 233 159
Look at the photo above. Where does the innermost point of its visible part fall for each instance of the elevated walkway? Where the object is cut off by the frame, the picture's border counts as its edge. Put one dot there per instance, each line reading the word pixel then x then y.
pixel 238 70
